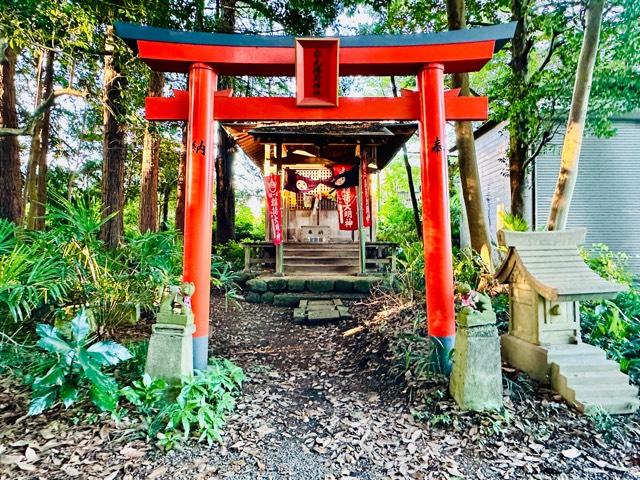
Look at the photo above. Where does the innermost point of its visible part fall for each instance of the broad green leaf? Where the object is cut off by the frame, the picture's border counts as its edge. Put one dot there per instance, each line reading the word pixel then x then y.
pixel 91 370
pixel 105 400
pixel 80 327
pixel 69 394
pixel 54 376
pixel 43 400
pixel 108 353
pixel 51 340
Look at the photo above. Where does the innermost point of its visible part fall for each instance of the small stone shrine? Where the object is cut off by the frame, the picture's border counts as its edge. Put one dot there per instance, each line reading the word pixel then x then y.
pixel 476 376
pixel 548 278
pixel 170 354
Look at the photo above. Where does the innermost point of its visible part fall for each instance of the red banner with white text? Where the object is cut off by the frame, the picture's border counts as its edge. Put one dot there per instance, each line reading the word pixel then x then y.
pixel 272 189
pixel 347 202
pixel 364 185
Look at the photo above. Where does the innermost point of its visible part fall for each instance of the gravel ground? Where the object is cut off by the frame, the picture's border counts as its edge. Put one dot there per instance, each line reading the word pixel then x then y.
pixel 311 409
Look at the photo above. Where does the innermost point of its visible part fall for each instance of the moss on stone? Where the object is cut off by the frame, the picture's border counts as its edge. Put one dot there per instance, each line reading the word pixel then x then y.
pixel 253 297
pixel 320 285
pixel 257 285
pixel 362 285
pixel 286 300
pixel 267 297
pixel 277 284
pixel 297 284
pixel 343 285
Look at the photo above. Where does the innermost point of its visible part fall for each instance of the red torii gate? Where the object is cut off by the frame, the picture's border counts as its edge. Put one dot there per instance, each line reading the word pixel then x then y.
pixel 317 64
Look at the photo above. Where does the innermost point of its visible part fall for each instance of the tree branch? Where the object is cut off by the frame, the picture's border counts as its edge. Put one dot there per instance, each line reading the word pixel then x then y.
pixel 39 111
pixel 553 46
pixel 547 136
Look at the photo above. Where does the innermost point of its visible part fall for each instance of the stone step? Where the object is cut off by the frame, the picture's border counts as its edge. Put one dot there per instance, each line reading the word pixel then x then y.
pixel 584 392
pixel 577 366
pixel 293 299
pixel 583 352
pixel 614 406
pixel 590 376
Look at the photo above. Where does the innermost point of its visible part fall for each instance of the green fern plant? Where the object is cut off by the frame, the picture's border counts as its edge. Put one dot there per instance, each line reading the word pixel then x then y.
pixel 29 280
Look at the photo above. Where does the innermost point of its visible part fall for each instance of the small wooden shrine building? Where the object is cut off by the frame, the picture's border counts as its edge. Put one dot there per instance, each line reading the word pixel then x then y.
pixel 320 236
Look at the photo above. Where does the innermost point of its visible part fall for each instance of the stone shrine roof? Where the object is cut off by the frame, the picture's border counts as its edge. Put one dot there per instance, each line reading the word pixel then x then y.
pixel 552 265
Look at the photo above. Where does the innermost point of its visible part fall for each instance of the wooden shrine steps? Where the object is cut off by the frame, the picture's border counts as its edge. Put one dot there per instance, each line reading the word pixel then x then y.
pixel 321 259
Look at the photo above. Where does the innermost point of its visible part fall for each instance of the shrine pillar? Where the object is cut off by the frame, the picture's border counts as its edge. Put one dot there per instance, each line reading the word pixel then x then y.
pixel 199 203
pixel 436 226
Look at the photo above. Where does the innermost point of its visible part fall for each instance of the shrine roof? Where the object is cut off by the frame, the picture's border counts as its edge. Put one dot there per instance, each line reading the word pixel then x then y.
pixel 551 264
pixel 326 142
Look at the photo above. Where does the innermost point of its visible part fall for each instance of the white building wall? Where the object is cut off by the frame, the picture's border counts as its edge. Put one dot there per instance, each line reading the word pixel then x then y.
pixel 607 195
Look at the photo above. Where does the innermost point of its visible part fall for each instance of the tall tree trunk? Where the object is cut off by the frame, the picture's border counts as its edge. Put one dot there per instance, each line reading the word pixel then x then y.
pixel 575 127
pixel 180 188
pixel 518 146
pixel 30 189
pixel 10 175
pixel 36 184
pixel 148 215
pixel 113 146
pixel 164 211
pixel 407 167
pixel 465 143
pixel 225 194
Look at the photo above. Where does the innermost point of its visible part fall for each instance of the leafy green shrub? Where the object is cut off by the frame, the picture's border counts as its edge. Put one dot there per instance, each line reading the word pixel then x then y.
pixel 409 281
pixel 396 222
pixel 29 280
pixel 514 223
pixel 614 325
pixel 7 236
pixel 225 279
pixel 76 367
pixel 196 408
pixel 231 252
pixel 68 268
pixel 468 267
pixel 608 264
pixel 248 226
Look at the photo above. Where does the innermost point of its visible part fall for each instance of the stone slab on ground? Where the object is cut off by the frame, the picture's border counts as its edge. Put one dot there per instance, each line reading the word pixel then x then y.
pixel 292 299
pixel 320 311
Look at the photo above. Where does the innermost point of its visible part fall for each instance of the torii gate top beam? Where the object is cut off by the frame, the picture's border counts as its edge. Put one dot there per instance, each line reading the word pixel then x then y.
pixel 377 55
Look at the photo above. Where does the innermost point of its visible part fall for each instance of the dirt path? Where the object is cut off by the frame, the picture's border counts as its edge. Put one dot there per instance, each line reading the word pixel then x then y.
pixel 309 410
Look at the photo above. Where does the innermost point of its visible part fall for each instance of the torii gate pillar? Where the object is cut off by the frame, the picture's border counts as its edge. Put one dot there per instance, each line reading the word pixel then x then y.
pixel 198 204
pixel 436 224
